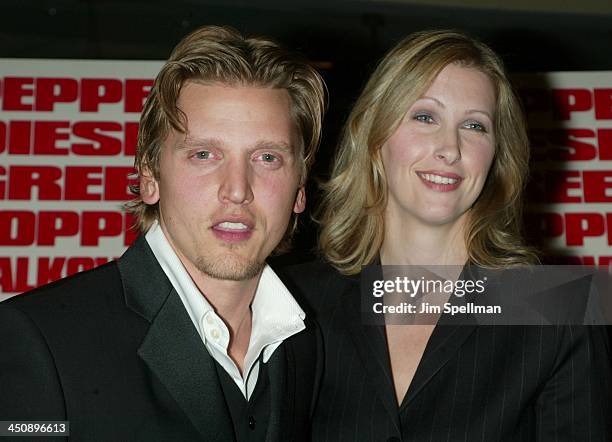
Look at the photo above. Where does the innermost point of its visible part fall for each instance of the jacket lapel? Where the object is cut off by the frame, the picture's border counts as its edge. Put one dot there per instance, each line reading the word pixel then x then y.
pixel 447 338
pixel 371 345
pixel 443 344
pixel 280 402
pixel 172 348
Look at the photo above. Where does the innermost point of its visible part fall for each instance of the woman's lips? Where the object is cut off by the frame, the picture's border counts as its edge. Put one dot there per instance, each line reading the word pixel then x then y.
pixel 440 181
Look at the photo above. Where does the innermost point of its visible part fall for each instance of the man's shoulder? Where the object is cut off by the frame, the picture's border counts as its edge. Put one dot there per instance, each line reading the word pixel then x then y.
pixel 91 288
pixel 78 318
pixel 81 291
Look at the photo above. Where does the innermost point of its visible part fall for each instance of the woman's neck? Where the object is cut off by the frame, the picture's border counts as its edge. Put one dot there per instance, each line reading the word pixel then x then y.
pixel 411 242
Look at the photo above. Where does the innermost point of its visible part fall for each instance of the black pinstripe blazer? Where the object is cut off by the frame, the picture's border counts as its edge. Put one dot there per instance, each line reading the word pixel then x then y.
pixel 474 383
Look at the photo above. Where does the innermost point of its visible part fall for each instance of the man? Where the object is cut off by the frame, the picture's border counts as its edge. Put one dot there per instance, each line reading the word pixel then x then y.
pixel 189 335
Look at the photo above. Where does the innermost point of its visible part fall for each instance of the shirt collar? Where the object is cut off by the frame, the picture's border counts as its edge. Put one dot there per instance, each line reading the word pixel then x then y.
pixel 276 313
pixel 196 305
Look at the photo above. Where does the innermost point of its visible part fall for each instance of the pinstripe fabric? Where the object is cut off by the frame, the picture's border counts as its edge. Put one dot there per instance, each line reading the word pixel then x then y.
pixel 474 383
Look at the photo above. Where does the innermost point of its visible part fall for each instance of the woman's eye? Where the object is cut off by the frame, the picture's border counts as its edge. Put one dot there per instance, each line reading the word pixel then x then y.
pixel 424 118
pixel 475 126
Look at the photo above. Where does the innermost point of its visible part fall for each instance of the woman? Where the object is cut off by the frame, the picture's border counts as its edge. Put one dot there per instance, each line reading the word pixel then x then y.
pixel 430 170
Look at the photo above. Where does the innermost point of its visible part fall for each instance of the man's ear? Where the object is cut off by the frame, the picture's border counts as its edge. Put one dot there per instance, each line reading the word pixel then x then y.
pixel 300 200
pixel 149 189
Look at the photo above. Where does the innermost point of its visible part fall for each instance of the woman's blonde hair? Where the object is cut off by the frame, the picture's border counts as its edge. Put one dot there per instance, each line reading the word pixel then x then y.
pixel 354 200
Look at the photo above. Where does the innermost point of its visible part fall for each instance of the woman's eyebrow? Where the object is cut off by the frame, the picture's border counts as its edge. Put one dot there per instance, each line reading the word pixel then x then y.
pixel 478 111
pixel 435 100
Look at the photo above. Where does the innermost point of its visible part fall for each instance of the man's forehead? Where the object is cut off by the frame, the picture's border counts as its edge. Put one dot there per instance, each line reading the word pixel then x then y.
pixel 238 89
pixel 251 104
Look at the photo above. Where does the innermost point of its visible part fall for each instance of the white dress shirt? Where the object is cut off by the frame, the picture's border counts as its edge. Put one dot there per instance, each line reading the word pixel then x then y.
pixel 276 314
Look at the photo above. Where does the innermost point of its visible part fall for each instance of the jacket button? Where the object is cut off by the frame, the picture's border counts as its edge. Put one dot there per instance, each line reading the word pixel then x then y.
pixel 252 423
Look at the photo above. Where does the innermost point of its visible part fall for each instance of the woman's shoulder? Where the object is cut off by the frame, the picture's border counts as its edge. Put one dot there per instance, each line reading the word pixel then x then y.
pixel 316 282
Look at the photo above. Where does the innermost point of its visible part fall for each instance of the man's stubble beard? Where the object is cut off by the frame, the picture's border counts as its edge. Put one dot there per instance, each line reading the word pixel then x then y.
pixel 228 266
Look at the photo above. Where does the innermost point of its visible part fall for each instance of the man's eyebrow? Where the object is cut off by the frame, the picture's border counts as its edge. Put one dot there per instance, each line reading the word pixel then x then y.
pixel 204 143
pixel 273 145
pixel 209 143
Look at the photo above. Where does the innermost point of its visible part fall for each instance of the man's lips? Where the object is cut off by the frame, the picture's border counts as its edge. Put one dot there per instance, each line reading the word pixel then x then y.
pixel 233 230
pixel 440 181
pixel 230 226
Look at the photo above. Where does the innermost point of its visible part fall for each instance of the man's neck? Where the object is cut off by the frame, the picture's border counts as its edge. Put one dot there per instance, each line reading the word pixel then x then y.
pixel 232 302
pixel 230 299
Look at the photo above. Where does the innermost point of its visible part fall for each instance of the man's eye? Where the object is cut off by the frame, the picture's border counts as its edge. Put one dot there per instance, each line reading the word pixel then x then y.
pixel 424 118
pixel 475 125
pixel 269 158
pixel 203 155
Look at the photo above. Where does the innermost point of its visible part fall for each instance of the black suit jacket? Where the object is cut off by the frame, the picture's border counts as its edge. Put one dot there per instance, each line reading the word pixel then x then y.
pixel 474 383
pixel 114 352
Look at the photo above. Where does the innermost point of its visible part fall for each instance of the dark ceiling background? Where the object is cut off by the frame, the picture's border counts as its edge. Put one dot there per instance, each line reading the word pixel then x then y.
pixel 324 29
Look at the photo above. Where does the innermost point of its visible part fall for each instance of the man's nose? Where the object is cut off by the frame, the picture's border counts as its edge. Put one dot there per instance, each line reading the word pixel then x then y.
pixel 448 146
pixel 235 185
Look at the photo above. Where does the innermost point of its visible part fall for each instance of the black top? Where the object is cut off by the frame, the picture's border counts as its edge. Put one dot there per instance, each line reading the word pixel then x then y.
pixel 473 383
pixel 250 418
